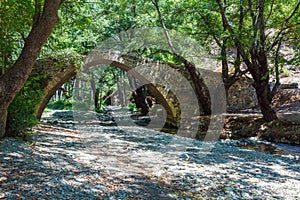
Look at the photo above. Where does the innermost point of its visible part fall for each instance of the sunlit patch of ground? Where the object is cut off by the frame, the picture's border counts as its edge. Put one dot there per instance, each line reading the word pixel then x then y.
pixel 132 162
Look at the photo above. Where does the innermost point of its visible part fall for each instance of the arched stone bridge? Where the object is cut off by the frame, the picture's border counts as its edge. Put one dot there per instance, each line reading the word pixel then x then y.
pixel 170 84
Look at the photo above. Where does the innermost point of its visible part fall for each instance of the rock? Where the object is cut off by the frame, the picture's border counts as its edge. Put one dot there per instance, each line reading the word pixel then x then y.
pixel 184 156
pixel 245 195
pixel 2 196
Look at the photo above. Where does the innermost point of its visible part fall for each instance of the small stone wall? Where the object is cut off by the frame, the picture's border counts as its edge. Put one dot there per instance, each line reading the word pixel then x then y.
pixel 286 96
pixel 241 95
pixel 280 131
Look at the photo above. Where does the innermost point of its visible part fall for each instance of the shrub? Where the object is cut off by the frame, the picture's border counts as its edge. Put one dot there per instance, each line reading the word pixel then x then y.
pixel 60 105
pixel 20 118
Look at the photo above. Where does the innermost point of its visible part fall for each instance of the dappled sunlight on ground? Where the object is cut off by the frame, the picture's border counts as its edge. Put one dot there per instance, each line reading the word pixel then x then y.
pixel 135 162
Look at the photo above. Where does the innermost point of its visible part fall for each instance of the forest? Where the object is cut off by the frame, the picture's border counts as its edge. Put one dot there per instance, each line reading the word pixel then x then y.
pixel 143 73
pixel 255 32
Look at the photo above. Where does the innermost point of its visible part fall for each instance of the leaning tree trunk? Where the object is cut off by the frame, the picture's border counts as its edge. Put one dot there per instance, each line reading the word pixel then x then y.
pixel 3 116
pixel 12 82
pixel 262 93
pixel 200 87
pixel 259 71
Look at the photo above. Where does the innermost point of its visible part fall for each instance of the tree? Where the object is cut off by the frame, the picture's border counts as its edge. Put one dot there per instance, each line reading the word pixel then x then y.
pixel 44 20
pixel 199 85
pixel 225 46
pixel 255 52
pixel 203 21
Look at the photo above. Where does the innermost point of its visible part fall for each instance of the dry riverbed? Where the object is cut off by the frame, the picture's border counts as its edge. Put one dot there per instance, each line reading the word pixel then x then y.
pixel 99 162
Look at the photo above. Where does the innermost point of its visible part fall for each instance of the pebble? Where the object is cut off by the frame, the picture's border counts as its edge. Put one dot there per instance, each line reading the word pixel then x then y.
pixel 184 156
pixel 246 195
pixel 124 162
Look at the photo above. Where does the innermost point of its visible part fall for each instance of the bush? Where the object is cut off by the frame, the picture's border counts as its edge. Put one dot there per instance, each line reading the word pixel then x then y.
pixel 132 107
pixel 21 112
pixel 60 105
pixel 20 117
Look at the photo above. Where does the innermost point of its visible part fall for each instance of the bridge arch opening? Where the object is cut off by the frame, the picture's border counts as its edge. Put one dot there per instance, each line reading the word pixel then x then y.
pixel 57 80
pixel 140 82
pixel 186 119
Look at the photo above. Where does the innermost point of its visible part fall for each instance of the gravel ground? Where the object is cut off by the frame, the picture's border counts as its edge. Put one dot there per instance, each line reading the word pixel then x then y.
pixel 135 163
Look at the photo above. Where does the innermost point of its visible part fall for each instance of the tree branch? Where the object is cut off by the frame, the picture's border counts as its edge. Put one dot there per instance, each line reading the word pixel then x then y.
pixel 37 12
pixel 283 26
pixel 241 20
pixel 277 83
pixel 200 87
pixel 261 23
pixel 155 3
pixel 236 40
pixel 271 10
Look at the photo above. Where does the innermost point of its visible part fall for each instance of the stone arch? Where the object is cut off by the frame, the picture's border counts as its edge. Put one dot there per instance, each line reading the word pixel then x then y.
pixel 67 69
pixel 58 76
pixel 172 116
pixel 184 115
pixel 57 72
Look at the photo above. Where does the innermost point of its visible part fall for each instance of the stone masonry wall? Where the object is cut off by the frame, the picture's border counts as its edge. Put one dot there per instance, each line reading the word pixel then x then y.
pixel 241 95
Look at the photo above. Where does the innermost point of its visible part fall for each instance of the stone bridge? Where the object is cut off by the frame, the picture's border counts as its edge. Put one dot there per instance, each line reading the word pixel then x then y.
pixel 170 84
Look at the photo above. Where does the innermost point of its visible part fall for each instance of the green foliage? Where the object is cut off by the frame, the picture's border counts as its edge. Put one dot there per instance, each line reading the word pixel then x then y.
pixel 161 55
pixel 101 107
pixel 132 107
pixel 295 61
pixel 47 110
pixel 26 137
pixel 60 105
pixel 21 111
pixel 15 21
pixel 286 72
pixel 85 24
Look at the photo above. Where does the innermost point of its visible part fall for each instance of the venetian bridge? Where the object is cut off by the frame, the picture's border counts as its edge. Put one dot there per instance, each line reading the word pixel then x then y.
pixel 170 84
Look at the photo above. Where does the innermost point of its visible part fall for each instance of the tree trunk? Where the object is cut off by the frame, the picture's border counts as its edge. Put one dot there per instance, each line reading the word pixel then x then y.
pixel 265 105
pixel 259 71
pixel 3 116
pixel 14 79
pixel 257 62
pixel 97 107
pixel 93 88
pixel 140 100
pixel 200 87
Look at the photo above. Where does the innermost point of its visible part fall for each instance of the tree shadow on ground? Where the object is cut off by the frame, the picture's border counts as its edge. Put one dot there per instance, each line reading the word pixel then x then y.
pixel 49 170
pixel 98 165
